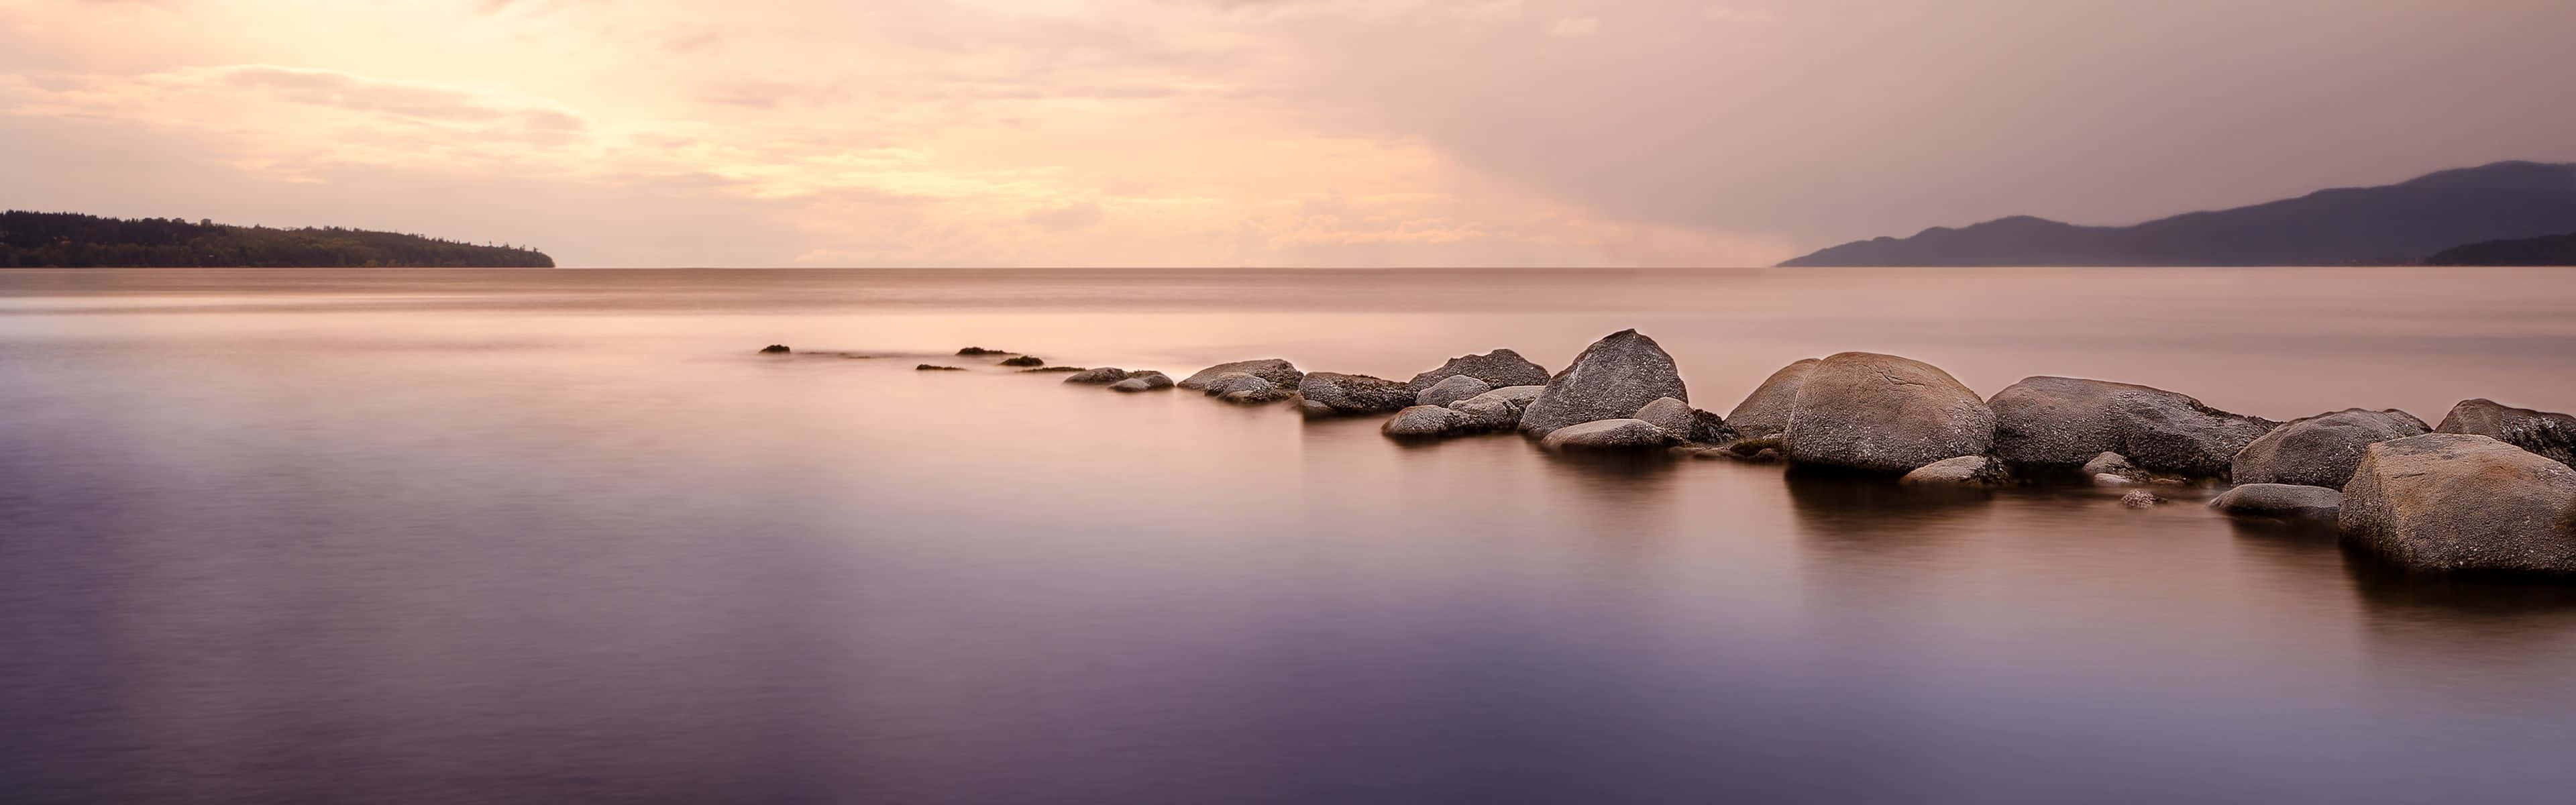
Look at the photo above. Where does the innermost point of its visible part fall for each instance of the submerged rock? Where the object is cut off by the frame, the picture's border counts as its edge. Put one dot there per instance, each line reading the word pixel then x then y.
pixel 1882 413
pixel 1450 389
pixel 1279 372
pixel 2108 463
pixel 2551 436
pixel 1325 394
pixel 2279 500
pixel 2321 450
pixel 1960 471
pixel 2140 499
pixel 1499 368
pixel 1143 381
pixel 1047 370
pixel 1024 360
pixel 1428 421
pixel 2065 421
pixel 975 351
pixel 1765 412
pixel 1613 378
pixel 1499 409
pixel 1102 375
pixel 1234 381
pixel 1609 434
pixel 2448 501
pixel 932 367
pixel 775 349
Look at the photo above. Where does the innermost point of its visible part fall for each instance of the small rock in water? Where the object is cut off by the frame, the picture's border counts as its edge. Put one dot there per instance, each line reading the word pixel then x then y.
pixel 2321 450
pixel 932 367
pixel 1278 371
pixel 1497 369
pixel 775 349
pixel 2113 479
pixel 1234 381
pixel 1451 389
pixel 1098 376
pixel 1960 471
pixel 1426 421
pixel 1050 369
pixel 1143 381
pixel 1024 360
pixel 1333 394
pixel 2139 499
pixel 973 351
pixel 2109 463
pixel 1609 434
pixel 2279 500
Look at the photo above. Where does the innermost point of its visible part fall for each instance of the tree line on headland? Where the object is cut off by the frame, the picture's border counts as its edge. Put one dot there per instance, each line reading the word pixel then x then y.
pixel 73 240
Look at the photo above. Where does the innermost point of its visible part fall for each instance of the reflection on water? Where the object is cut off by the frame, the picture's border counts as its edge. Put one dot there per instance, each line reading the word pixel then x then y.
pixel 536 536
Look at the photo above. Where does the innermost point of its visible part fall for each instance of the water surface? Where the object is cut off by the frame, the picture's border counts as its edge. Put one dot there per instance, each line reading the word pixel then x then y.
pixel 530 536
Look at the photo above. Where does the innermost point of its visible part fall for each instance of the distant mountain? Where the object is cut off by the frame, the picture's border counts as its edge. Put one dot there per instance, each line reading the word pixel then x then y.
pixel 2397 224
pixel 2553 250
pixel 72 240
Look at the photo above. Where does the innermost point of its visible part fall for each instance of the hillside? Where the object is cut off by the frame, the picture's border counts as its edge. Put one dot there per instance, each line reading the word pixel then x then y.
pixel 2552 250
pixel 2397 224
pixel 71 240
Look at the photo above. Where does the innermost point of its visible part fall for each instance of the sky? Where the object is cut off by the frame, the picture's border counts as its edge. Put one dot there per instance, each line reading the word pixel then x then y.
pixel 1364 133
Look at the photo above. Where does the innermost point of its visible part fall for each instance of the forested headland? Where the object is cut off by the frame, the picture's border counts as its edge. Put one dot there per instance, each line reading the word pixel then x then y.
pixel 73 240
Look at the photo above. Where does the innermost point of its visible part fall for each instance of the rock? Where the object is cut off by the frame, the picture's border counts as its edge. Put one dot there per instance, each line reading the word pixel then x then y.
pixel 1499 409
pixel 2552 436
pixel 1450 389
pixel 1608 434
pixel 1334 394
pixel 1497 369
pixel 1024 360
pixel 2109 463
pixel 1097 376
pixel 1960 471
pixel 1883 413
pixel 2113 479
pixel 1143 381
pixel 1427 421
pixel 2321 450
pixel 2448 501
pixel 932 367
pixel 2279 500
pixel 2065 421
pixel 1235 381
pixel 2140 499
pixel 973 351
pixel 775 349
pixel 1765 412
pixel 1613 378
pixel 1674 416
pixel 1045 370
pixel 1279 372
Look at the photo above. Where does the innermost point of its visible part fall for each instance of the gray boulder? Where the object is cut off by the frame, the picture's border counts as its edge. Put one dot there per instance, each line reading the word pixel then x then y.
pixel 2279 500
pixel 1609 435
pixel 2320 450
pixel 1499 409
pixel 1428 421
pixel 1959 471
pixel 1278 371
pixel 2140 499
pixel 1451 389
pixel 1143 381
pixel 2451 501
pixel 1883 413
pixel 1235 381
pixel 1099 376
pixel 2064 421
pixel 1766 411
pixel 2552 436
pixel 1613 378
pixel 1674 416
pixel 1498 368
pixel 2109 463
pixel 1325 394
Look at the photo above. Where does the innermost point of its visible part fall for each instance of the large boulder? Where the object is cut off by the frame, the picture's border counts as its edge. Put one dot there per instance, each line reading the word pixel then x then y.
pixel 1325 394
pixel 1428 421
pixel 1278 371
pixel 1499 409
pixel 1498 368
pixel 1451 389
pixel 1959 471
pixel 2062 422
pixel 2553 436
pixel 2320 450
pixel 2279 500
pixel 1143 381
pixel 1609 435
pixel 1235 381
pixel 1613 378
pixel 1098 376
pixel 1765 412
pixel 2452 501
pixel 1883 413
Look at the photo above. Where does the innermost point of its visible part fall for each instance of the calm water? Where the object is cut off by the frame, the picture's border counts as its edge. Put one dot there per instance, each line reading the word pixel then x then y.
pixel 544 536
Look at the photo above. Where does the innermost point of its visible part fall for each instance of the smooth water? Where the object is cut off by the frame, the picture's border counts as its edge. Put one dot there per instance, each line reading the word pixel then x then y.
pixel 545 536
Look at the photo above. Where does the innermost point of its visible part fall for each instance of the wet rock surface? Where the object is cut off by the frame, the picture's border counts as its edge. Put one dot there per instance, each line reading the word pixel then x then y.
pixel 2462 502
pixel 2320 450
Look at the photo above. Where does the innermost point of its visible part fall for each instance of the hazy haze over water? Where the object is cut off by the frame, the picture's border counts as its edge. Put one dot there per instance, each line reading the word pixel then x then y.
pixel 534 535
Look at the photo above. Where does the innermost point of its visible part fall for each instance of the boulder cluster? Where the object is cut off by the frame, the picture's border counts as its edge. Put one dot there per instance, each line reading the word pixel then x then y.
pixel 2490 489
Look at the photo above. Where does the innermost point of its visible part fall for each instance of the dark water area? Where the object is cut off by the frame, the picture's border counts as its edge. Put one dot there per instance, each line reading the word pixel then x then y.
pixel 543 536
